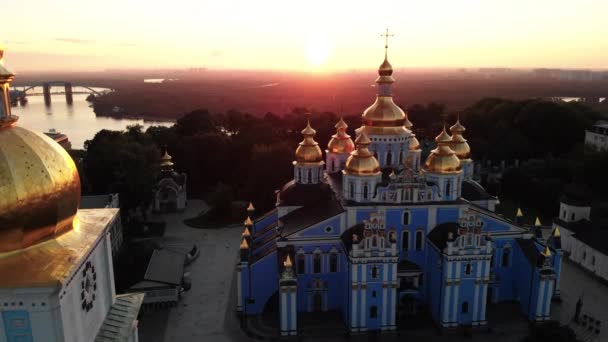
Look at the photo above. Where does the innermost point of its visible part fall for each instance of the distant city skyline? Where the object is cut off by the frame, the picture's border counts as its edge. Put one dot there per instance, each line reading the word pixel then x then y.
pixel 303 36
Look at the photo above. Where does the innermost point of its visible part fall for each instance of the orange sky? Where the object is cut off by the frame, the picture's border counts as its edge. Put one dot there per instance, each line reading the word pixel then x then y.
pixel 303 35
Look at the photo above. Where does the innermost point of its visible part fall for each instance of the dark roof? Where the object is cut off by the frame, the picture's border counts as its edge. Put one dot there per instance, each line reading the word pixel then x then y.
pixel 593 233
pixel 178 178
pixel 347 236
pixel 165 267
pixel 408 266
pixel 528 247
pixel 295 194
pixel 473 191
pixel 439 235
pixel 306 216
pixel 577 195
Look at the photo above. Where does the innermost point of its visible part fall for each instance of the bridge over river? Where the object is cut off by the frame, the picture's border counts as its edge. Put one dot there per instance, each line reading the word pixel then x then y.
pixel 66 87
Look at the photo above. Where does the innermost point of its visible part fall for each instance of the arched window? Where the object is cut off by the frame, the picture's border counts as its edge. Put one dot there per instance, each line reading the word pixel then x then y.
pixel 448 186
pixel 400 158
pixel 465 307
pixel 373 311
pixel 374 272
pixel 564 215
pixel 309 176
pixel 406 217
pixel 419 240
pixel 506 254
pixel 467 269
pixel 572 217
pixel 317 263
pixel 333 262
pixel 374 242
pixel 365 191
pixel 405 240
pixel 333 165
pixel 301 266
pixel 389 158
pixel 299 175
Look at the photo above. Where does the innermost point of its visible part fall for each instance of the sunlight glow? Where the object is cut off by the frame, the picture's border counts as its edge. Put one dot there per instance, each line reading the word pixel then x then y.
pixel 317 52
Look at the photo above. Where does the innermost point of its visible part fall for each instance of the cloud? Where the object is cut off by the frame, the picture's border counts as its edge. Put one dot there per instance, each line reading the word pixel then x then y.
pixel 75 40
pixel 216 53
pixel 16 42
pixel 126 44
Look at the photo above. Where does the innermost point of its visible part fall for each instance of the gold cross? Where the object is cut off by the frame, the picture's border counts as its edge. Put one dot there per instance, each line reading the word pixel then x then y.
pixel 386 35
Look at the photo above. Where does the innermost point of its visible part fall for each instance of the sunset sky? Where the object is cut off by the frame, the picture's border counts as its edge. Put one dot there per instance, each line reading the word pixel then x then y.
pixel 303 35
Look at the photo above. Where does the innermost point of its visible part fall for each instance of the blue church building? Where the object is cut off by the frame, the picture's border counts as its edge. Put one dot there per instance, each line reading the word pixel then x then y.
pixel 369 230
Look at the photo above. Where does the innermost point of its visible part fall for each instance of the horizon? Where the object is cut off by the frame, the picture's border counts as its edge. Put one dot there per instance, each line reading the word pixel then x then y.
pixel 322 38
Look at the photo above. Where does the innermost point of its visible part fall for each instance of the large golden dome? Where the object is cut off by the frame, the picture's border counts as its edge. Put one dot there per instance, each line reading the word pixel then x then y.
pixel 459 143
pixel 362 162
pixel 414 144
pixel 308 151
pixel 442 159
pixel 341 142
pixel 39 183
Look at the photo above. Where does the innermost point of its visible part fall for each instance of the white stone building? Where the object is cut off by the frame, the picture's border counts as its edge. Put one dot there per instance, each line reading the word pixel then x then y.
pixel 597 136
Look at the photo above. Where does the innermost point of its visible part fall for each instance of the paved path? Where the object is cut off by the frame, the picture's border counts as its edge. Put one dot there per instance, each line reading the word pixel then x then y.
pixel 202 311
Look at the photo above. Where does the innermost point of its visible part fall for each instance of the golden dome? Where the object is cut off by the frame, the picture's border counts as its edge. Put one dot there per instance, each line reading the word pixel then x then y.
pixel 408 124
pixel 385 69
pixel 384 112
pixel 341 142
pixel 362 162
pixel 459 143
pixel 442 159
pixel 39 183
pixel 165 162
pixel 414 144
pixel 308 151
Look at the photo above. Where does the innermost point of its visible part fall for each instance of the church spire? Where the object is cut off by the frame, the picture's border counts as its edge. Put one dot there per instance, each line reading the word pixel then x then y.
pixel 6 76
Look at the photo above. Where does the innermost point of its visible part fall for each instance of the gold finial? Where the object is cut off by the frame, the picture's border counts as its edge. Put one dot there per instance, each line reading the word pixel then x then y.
pixel 246 233
pixel 287 263
pixel 519 213
pixel 556 232
pixel 547 252
pixel 248 222
pixel 250 208
pixel 166 163
pixel 386 35
pixel 537 222
pixel 244 244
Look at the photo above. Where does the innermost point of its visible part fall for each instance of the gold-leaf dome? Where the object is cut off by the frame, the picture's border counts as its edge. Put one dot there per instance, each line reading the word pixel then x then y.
pixel 442 159
pixel 414 144
pixel 308 151
pixel 459 144
pixel 166 163
pixel 362 162
pixel 341 142
pixel 39 183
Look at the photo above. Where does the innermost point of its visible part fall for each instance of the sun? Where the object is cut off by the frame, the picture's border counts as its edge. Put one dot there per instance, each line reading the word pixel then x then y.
pixel 317 51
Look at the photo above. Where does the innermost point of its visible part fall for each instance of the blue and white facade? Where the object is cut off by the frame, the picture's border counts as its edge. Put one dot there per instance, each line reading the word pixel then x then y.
pixel 422 238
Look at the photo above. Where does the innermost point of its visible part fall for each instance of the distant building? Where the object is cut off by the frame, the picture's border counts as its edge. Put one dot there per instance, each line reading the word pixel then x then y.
pixel 171 188
pixel 584 239
pixel 59 138
pixel 597 136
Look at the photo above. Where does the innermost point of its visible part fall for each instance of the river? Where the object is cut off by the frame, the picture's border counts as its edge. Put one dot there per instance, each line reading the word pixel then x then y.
pixel 77 121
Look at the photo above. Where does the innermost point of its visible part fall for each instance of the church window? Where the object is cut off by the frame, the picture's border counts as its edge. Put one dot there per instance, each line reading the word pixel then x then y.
pixel 374 294
pixel 584 255
pixel 301 264
pixel 572 217
pixel 406 217
pixel 333 164
pixel 467 269
pixel 564 215
pixel 389 158
pixel 352 190
pixel 492 260
pixel 405 240
pixel 374 242
pixel 506 254
pixel 309 176
pixel 374 272
pixel 448 186
pixel 317 263
pixel 299 175
pixel 419 240
pixel 373 311
pixel 333 262
pixel 365 191
pixel 465 307
pixel 593 260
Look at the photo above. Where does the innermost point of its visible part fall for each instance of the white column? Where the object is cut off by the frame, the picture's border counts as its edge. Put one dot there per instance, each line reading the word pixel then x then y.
pixel 354 294
pixel 548 299
pixel 484 299
pixel 363 310
pixel 456 292
pixel 540 299
pixel 283 311
pixel 385 283
pixel 478 279
pixel 446 303
pixel 294 304
pixel 239 290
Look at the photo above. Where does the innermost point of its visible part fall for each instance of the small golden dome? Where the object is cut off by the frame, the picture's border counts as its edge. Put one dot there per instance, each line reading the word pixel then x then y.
pixel 287 263
pixel 246 232
pixel 556 232
pixel 39 182
pixel 459 143
pixel 414 144
pixel 165 162
pixel 248 222
pixel 385 69
pixel 519 213
pixel 308 151
pixel 250 208
pixel 244 244
pixel 362 162
pixel 442 159
pixel 547 252
pixel 341 142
